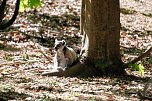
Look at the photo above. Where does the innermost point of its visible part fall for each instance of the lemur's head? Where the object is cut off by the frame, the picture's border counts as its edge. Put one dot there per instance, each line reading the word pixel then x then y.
pixel 59 45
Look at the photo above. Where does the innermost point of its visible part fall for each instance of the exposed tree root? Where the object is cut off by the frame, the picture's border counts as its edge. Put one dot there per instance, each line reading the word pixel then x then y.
pixel 142 56
pixel 77 70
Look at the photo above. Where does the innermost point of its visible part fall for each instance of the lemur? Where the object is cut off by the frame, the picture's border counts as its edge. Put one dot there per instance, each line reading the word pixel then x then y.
pixel 65 56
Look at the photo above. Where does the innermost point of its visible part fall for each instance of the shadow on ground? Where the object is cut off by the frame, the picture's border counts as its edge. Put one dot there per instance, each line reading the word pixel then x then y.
pixel 5 96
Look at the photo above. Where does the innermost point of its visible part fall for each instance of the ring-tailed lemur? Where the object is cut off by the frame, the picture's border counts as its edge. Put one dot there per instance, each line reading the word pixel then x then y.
pixel 65 56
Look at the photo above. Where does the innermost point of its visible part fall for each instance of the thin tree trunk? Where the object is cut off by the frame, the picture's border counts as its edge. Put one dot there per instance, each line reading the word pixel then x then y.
pixel 82 16
pixel 2 8
pixel 11 21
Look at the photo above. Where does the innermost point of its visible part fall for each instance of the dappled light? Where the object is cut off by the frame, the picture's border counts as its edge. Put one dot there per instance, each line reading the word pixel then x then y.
pixel 27 54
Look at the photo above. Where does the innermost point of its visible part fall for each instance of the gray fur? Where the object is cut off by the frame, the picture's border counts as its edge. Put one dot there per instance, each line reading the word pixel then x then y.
pixel 65 56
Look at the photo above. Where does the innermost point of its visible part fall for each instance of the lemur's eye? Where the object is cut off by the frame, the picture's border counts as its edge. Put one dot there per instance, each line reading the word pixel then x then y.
pixel 58 45
pixel 63 42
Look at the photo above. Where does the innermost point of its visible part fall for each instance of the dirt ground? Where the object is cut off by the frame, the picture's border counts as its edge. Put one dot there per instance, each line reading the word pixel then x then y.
pixel 22 61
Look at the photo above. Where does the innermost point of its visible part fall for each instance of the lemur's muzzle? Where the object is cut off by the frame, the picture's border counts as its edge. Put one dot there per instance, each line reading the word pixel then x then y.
pixel 56 48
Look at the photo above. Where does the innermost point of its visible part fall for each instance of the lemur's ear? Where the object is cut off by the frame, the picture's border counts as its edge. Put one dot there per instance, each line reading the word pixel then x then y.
pixel 63 42
pixel 56 40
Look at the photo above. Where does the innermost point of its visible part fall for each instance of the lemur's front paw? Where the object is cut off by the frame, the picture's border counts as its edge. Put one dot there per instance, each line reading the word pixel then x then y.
pixel 60 69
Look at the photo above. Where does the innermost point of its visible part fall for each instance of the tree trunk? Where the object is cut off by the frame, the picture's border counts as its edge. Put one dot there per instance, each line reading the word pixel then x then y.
pixel 102 26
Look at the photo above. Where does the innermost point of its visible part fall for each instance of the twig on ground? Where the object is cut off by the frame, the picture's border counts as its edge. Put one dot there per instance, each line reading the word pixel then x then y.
pixel 142 56
pixel 139 58
pixel 48 58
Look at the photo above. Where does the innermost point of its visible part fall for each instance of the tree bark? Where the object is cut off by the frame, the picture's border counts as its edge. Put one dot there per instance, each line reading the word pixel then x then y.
pixel 82 17
pixel 102 27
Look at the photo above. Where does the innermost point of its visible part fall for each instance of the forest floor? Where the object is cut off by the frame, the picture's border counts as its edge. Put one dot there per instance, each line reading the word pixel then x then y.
pixel 22 61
